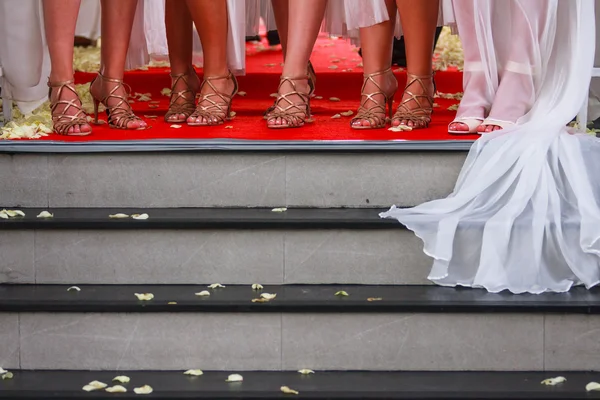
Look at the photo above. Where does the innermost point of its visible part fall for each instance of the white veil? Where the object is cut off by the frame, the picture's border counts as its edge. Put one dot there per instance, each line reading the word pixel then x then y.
pixel 525 213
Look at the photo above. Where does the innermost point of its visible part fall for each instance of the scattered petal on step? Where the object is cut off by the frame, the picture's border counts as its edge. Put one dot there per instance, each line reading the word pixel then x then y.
pixel 140 217
pixel 122 379
pixel 144 296
pixel 242 94
pixel 95 385
pixel 333 67
pixel 172 303
pixel 166 92
pixel 194 372
pixel 118 216
pixel 216 286
pixel 153 106
pixel 336 116
pixel 229 127
pixel 371 299
pixel 453 107
pixel 232 114
pixel 348 113
pixel 554 381
pixel 306 371
pixel 342 293
pixel 268 296
pixel 204 293
pixel 335 61
pixel 287 390
pixel 400 128
pixel 334 99
pixel 318 97
pixel 257 286
pixel 235 378
pixel 4 215
pixel 274 95
pixel 15 213
pixel 143 390
pixel 279 210
pixel 2 371
pixel 270 65
pixel 151 116
pixel 175 126
pixel 592 386
pixel 45 214
pixel 7 375
pixel 116 389
pixel 74 289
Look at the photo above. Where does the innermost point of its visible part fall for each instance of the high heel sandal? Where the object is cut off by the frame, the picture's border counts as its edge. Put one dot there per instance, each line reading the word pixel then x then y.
pixel 471 123
pixel 214 113
pixel 188 106
pixel 294 114
pixel 376 113
pixel 420 116
pixel 121 114
pixel 62 122
pixel 312 84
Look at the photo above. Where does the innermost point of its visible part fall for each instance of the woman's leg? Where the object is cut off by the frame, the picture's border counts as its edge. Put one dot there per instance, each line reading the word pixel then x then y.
pixel 377 43
pixel 180 31
pixel 516 92
pixel 117 23
pixel 477 98
pixel 281 11
pixel 212 22
pixel 60 19
pixel 305 18
pixel 419 19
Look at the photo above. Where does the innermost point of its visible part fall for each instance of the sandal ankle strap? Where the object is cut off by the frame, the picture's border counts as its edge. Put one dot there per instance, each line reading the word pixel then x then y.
pixel 59 84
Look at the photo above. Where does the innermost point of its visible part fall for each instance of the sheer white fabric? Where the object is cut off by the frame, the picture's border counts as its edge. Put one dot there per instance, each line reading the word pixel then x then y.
pixel 24 54
pixel 149 37
pixel 525 213
pixel 257 10
pixel 88 22
pixel 594 103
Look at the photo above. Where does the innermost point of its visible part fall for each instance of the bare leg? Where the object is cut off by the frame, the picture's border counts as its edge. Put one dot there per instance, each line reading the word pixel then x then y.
pixel 377 43
pixel 477 98
pixel 516 92
pixel 281 11
pixel 60 18
pixel 419 19
pixel 212 22
pixel 305 21
pixel 117 22
pixel 180 31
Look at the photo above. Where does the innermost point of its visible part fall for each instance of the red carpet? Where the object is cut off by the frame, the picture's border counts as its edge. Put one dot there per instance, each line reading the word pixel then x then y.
pixel 264 68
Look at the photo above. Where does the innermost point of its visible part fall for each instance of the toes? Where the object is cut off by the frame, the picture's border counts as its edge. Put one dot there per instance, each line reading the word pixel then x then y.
pixel 76 129
pixel 85 128
pixel 481 128
pixel 133 125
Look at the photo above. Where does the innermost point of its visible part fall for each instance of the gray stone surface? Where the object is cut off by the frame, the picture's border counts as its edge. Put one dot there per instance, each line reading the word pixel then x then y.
pixel 353 256
pixel 326 179
pixel 24 180
pixel 167 180
pixel 373 179
pixel 234 257
pixel 168 257
pixel 151 341
pixel 413 342
pixel 9 341
pixel 572 343
pixel 17 257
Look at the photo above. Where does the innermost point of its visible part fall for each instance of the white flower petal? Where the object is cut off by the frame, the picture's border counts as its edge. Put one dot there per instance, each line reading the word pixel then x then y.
pixel 257 286
pixel 7 375
pixel 45 214
pixel 204 293
pixel 118 216
pixel 140 217
pixel 268 296
pixel 116 389
pixel 279 210
pixel 216 286
pixel 235 378
pixel 144 296
pixel 342 293
pixel 592 386
pixel 146 389
pixel 122 379
pixel 194 372
pixel 306 371
pixel 554 381
pixel 74 289
pixel 287 390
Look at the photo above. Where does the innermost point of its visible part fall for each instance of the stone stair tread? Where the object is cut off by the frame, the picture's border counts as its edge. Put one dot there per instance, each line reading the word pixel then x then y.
pixel 202 218
pixel 62 385
pixel 290 298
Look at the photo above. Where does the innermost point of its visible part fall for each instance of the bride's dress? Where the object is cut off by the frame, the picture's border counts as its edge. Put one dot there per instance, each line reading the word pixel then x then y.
pixel 525 213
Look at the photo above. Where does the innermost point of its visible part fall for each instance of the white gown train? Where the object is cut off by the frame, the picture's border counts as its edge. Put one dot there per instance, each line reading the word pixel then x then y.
pixel 525 213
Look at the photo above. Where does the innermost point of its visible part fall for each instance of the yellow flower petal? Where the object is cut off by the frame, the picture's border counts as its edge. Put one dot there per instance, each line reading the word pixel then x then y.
pixel 144 296
pixel 122 379
pixel 194 372
pixel 146 389
pixel 287 390
pixel 554 381
pixel 235 378
pixel 116 389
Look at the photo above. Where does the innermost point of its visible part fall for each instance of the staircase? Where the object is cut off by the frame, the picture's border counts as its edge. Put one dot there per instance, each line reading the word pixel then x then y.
pixel 211 220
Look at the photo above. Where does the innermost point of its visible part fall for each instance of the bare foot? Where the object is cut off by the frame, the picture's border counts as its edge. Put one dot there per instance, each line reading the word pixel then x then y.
pixel 114 96
pixel 296 104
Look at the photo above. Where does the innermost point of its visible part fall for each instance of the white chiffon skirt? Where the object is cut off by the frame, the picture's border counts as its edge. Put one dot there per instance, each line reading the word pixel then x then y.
pixel 525 213
pixel 149 37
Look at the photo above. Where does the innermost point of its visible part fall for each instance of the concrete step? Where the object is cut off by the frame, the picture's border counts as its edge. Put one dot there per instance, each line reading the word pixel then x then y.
pixel 233 246
pixel 320 386
pixel 228 179
pixel 411 329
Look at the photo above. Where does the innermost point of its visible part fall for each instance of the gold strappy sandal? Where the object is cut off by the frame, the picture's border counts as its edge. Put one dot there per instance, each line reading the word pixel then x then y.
pixel 294 114
pixel 215 112
pixel 62 121
pixel 312 84
pixel 420 115
pixel 121 114
pixel 182 102
pixel 370 109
